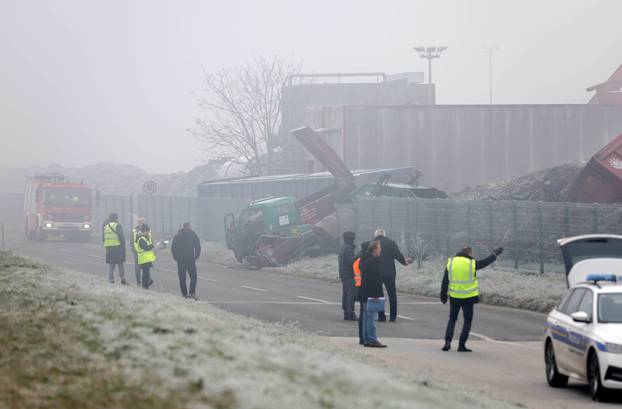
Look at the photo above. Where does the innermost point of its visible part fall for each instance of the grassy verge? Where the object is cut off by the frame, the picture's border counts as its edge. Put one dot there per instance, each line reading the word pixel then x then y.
pixel 50 357
pixel 74 341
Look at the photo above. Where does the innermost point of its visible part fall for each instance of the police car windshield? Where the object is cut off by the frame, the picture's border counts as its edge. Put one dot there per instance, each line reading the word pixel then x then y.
pixel 67 197
pixel 610 308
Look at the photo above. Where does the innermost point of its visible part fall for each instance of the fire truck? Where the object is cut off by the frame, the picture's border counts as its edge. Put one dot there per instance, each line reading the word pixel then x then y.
pixel 55 205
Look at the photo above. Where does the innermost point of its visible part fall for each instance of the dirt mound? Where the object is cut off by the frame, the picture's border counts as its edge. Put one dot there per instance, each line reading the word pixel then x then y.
pixel 549 185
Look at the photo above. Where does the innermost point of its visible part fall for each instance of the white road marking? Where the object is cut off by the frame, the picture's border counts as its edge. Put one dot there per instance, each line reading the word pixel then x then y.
pixel 94 256
pixel 315 299
pixel 198 276
pixel 252 288
pixel 405 318
pixel 488 339
pixel 269 302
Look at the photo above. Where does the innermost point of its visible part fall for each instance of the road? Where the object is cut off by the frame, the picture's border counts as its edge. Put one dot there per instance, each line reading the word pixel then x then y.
pixel 507 361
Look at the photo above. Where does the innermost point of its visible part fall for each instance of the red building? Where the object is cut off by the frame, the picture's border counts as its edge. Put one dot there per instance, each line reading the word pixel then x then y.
pixel 609 92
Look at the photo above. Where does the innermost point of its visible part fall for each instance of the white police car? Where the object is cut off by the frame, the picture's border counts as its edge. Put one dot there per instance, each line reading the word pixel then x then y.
pixel 583 334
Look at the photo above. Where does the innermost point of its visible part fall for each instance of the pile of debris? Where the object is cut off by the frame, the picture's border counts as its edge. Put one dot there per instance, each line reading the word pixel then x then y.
pixel 549 185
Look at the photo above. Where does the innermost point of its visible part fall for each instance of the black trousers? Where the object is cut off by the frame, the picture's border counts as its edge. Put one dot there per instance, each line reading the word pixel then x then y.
pixel 467 311
pixel 187 268
pixel 389 284
pixel 348 296
pixel 146 275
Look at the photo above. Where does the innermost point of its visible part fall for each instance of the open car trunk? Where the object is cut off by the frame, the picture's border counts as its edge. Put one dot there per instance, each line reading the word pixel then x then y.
pixel 591 254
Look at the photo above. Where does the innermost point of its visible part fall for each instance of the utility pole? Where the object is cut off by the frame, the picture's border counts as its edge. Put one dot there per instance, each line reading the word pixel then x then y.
pixel 490 49
pixel 430 53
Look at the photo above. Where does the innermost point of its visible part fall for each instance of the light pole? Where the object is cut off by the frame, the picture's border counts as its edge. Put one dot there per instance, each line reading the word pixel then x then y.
pixel 490 49
pixel 430 53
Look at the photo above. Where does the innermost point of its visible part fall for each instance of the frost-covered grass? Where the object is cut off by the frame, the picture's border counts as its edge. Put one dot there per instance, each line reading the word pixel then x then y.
pixel 498 285
pixel 75 341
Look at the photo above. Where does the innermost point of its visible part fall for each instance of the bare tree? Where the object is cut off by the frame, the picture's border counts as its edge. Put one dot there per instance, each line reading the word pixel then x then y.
pixel 242 112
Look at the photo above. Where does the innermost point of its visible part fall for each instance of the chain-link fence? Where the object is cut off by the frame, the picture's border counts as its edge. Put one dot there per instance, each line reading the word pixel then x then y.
pixel 427 228
pixel 166 214
pixel 527 230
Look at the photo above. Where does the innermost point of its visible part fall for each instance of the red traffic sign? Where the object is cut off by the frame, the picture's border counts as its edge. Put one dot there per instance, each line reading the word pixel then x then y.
pixel 150 187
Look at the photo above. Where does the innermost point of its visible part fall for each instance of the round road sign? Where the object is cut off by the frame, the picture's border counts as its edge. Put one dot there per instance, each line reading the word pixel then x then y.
pixel 150 187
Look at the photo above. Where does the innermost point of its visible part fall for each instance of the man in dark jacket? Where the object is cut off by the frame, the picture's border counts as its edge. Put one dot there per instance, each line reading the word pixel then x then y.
pixel 346 275
pixel 462 285
pixel 371 287
pixel 186 249
pixel 390 253
pixel 114 243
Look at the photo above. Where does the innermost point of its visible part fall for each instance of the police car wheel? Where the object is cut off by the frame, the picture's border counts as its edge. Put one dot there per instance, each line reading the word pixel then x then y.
pixel 597 390
pixel 553 377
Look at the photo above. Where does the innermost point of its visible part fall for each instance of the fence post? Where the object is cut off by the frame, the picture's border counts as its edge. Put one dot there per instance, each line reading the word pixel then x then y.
pixel 566 220
pixel 468 221
pixel 541 237
pixel 595 217
pixel 437 233
pixel 448 214
pixel 515 232
pixel 171 213
pixel 491 230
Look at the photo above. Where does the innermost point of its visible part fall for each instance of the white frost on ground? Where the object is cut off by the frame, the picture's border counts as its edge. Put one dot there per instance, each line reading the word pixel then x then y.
pixel 498 285
pixel 262 365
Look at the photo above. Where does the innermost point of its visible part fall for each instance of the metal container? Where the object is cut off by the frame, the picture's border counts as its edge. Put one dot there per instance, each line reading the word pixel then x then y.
pixel 601 180
pixel 299 185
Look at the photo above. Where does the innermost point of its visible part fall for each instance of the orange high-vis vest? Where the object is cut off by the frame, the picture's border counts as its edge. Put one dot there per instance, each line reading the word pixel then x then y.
pixel 357 272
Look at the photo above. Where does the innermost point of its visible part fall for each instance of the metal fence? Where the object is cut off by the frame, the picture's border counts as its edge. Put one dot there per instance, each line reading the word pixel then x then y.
pixel 166 214
pixel 427 227
pixel 527 230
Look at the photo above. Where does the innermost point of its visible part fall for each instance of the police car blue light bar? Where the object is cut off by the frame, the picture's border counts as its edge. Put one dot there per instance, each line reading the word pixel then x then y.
pixel 601 277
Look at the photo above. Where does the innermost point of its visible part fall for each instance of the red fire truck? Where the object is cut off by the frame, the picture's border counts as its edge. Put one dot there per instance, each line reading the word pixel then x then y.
pixel 54 205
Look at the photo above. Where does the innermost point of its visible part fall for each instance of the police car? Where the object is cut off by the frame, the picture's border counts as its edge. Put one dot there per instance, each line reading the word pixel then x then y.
pixel 583 334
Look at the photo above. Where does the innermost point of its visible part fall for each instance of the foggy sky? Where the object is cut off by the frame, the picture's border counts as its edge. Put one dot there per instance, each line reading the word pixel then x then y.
pixel 88 81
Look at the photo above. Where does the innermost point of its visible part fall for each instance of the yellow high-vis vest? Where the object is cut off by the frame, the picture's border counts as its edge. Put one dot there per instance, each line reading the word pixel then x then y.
pixel 145 256
pixel 462 278
pixel 111 237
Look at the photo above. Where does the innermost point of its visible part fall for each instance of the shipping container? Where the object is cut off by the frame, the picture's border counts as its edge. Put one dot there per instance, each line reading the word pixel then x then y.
pixel 601 180
pixel 298 185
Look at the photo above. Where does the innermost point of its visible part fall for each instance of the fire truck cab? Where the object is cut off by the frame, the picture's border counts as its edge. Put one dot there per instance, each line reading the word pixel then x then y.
pixel 54 205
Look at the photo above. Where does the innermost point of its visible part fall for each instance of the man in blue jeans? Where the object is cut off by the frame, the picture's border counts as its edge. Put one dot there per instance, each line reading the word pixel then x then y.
pixel 371 288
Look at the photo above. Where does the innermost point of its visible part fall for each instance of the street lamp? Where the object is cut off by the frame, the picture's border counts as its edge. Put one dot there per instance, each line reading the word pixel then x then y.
pixel 490 49
pixel 430 53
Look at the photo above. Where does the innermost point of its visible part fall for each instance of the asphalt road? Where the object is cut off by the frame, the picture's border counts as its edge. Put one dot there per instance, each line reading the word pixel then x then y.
pixel 507 362
pixel 314 305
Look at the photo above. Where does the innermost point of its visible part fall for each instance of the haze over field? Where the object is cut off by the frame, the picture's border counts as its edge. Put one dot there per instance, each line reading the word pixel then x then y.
pixel 84 82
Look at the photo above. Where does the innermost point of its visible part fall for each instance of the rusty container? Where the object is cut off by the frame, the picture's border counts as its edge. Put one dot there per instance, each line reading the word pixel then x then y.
pixel 601 179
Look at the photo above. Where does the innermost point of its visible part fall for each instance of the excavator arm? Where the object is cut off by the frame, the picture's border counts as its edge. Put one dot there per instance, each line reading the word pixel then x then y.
pixel 317 206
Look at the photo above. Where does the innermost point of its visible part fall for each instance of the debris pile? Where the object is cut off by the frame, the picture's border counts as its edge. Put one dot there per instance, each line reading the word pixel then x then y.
pixel 549 185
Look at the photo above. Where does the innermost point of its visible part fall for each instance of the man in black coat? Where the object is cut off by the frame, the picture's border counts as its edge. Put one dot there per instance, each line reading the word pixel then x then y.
pixel 346 275
pixel 466 304
pixel 186 249
pixel 390 253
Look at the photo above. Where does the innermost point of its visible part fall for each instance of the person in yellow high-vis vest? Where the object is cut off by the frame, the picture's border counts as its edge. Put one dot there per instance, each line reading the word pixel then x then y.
pixel 135 233
pixel 146 255
pixel 461 284
pixel 114 243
